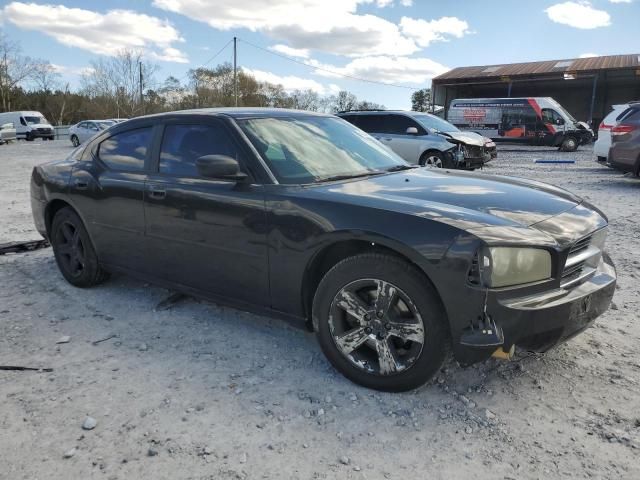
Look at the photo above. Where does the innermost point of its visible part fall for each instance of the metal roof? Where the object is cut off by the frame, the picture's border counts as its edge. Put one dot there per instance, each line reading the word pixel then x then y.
pixel 542 68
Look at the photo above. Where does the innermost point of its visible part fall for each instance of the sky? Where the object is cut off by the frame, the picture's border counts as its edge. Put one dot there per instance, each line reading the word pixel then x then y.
pixel 323 44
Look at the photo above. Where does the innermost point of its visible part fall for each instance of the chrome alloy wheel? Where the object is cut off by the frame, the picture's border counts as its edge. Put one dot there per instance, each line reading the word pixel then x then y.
pixel 433 161
pixel 376 326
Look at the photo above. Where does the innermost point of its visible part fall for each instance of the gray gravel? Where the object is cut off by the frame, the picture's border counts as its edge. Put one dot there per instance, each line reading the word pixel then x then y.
pixel 221 394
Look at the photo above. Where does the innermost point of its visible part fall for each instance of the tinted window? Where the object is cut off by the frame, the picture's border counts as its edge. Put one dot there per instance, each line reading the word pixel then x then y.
pixel 633 115
pixel 624 113
pixel 551 116
pixel 398 124
pixel 126 150
pixel 182 145
pixel 371 123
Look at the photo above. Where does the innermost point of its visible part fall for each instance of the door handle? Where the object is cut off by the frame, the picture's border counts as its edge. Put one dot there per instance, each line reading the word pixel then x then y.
pixel 157 193
pixel 81 184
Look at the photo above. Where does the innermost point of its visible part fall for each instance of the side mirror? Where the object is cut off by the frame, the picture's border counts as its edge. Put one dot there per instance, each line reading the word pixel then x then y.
pixel 559 121
pixel 412 131
pixel 221 167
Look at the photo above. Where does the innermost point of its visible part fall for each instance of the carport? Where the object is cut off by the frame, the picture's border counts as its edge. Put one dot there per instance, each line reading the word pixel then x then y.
pixel 586 87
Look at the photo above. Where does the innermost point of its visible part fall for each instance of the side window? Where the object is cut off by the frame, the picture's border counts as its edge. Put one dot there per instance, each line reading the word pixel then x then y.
pixel 352 119
pixel 371 123
pixel 126 150
pixel 182 145
pixel 22 121
pixel 82 125
pixel 398 124
pixel 551 116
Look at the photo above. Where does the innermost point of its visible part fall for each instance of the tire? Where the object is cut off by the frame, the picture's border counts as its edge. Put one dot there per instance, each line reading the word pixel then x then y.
pixel 73 250
pixel 28 137
pixel 569 144
pixel 394 351
pixel 601 160
pixel 433 158
pixel 75 141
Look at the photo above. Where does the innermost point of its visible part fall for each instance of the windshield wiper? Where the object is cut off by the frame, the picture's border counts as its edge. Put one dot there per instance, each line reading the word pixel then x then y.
pixel 398 168
pixel 349 176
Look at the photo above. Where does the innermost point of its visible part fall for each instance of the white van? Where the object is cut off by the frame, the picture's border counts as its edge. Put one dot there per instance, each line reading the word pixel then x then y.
pixel 532 120
pixel 28 125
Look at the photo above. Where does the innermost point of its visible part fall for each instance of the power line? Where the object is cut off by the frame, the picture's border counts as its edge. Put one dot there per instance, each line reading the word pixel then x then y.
pixel 326 69
pixel 209 60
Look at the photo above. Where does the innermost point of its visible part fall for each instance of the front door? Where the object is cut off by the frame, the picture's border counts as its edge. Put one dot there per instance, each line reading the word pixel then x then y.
pixel 203 233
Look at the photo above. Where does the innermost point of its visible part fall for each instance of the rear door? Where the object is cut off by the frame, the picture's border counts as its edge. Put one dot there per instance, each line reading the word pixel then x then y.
pixel 107 189
pixel 204 233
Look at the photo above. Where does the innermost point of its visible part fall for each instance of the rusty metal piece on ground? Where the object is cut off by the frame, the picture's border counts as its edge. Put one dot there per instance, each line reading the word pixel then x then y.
pixel 20 247
pixel 23 369
pixel 170 301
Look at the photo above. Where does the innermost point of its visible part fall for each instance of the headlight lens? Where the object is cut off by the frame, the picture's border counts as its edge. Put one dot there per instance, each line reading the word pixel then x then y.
pixel 507 266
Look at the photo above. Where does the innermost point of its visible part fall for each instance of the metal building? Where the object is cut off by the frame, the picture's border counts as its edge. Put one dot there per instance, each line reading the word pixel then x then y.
pixel 586 87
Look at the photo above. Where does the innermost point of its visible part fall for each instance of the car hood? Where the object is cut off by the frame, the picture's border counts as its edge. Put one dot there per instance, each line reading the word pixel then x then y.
pixel 470 138
pixel 465 200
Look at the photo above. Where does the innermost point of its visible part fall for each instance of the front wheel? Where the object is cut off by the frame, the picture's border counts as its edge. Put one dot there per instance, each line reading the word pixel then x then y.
pixel 380 322
pixel 432 159
pixel 569 144
pixel 73 250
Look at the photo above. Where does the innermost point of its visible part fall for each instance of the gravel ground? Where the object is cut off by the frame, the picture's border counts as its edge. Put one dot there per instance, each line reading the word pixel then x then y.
pixel 202 391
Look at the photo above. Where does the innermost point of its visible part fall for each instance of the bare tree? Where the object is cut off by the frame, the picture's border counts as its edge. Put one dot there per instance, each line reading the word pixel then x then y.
pixel 114 83
pixel 305 100
pixel 45 77
pixel 14 69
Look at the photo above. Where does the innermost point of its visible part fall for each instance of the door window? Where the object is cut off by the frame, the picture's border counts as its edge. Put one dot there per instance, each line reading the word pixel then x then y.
pixel 551 116
pixel 126 150
pixel 398 124
pixel 182 145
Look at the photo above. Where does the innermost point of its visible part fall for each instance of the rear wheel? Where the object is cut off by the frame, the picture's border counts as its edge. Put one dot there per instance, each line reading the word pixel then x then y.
pixel 74 253
pixel 569 144
pixel 380 322
pixel 74 140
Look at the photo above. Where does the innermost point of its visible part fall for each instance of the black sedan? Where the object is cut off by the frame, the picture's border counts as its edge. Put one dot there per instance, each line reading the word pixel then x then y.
pixel 304 216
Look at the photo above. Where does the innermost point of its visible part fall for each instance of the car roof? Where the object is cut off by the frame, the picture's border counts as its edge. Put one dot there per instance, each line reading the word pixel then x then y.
pixel 408 113
pixel 239 112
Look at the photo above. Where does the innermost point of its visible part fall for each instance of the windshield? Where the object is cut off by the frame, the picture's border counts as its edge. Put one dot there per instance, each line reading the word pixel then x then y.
pixel 33 120
pixel 434 123
pixel 309 149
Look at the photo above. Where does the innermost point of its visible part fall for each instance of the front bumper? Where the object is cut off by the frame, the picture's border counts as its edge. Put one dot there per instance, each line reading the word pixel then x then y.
pixel 540 321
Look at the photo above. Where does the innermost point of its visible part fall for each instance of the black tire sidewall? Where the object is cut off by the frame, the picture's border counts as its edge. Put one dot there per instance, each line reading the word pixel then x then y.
pixel 422 294
pixel 565 147
pixel 92 273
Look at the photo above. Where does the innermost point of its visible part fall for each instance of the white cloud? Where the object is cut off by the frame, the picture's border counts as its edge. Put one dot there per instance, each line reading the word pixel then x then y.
pixel 425 32
pixel 332 26
pixel 406 3
pixel 384 3
pixel 386 69
pixel 589 55
pixel 67 70
pixel 291 82
pixel 291 52
pixel 580 14
pixel 105 34
pixel 621 1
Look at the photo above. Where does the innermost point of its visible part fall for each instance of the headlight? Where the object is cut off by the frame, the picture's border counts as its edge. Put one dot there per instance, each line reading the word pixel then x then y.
pixel 506 266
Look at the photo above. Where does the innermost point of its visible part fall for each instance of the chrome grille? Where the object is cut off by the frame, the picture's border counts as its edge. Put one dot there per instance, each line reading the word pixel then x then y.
pixel 583 259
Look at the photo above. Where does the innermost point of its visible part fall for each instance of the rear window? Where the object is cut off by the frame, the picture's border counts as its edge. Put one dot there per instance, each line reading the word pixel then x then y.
pixel 624 113
pixel 127 150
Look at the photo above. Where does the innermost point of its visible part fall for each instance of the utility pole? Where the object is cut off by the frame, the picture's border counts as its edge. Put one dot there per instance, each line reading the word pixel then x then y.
pixel 140 84
pixel 235 71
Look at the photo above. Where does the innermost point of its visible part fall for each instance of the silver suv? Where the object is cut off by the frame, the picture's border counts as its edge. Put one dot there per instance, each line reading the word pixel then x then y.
pixel 424 139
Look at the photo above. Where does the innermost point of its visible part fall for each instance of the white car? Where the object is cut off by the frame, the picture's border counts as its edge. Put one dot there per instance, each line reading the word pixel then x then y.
pixel 603 143
pixel 83 131
pixel 7 133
